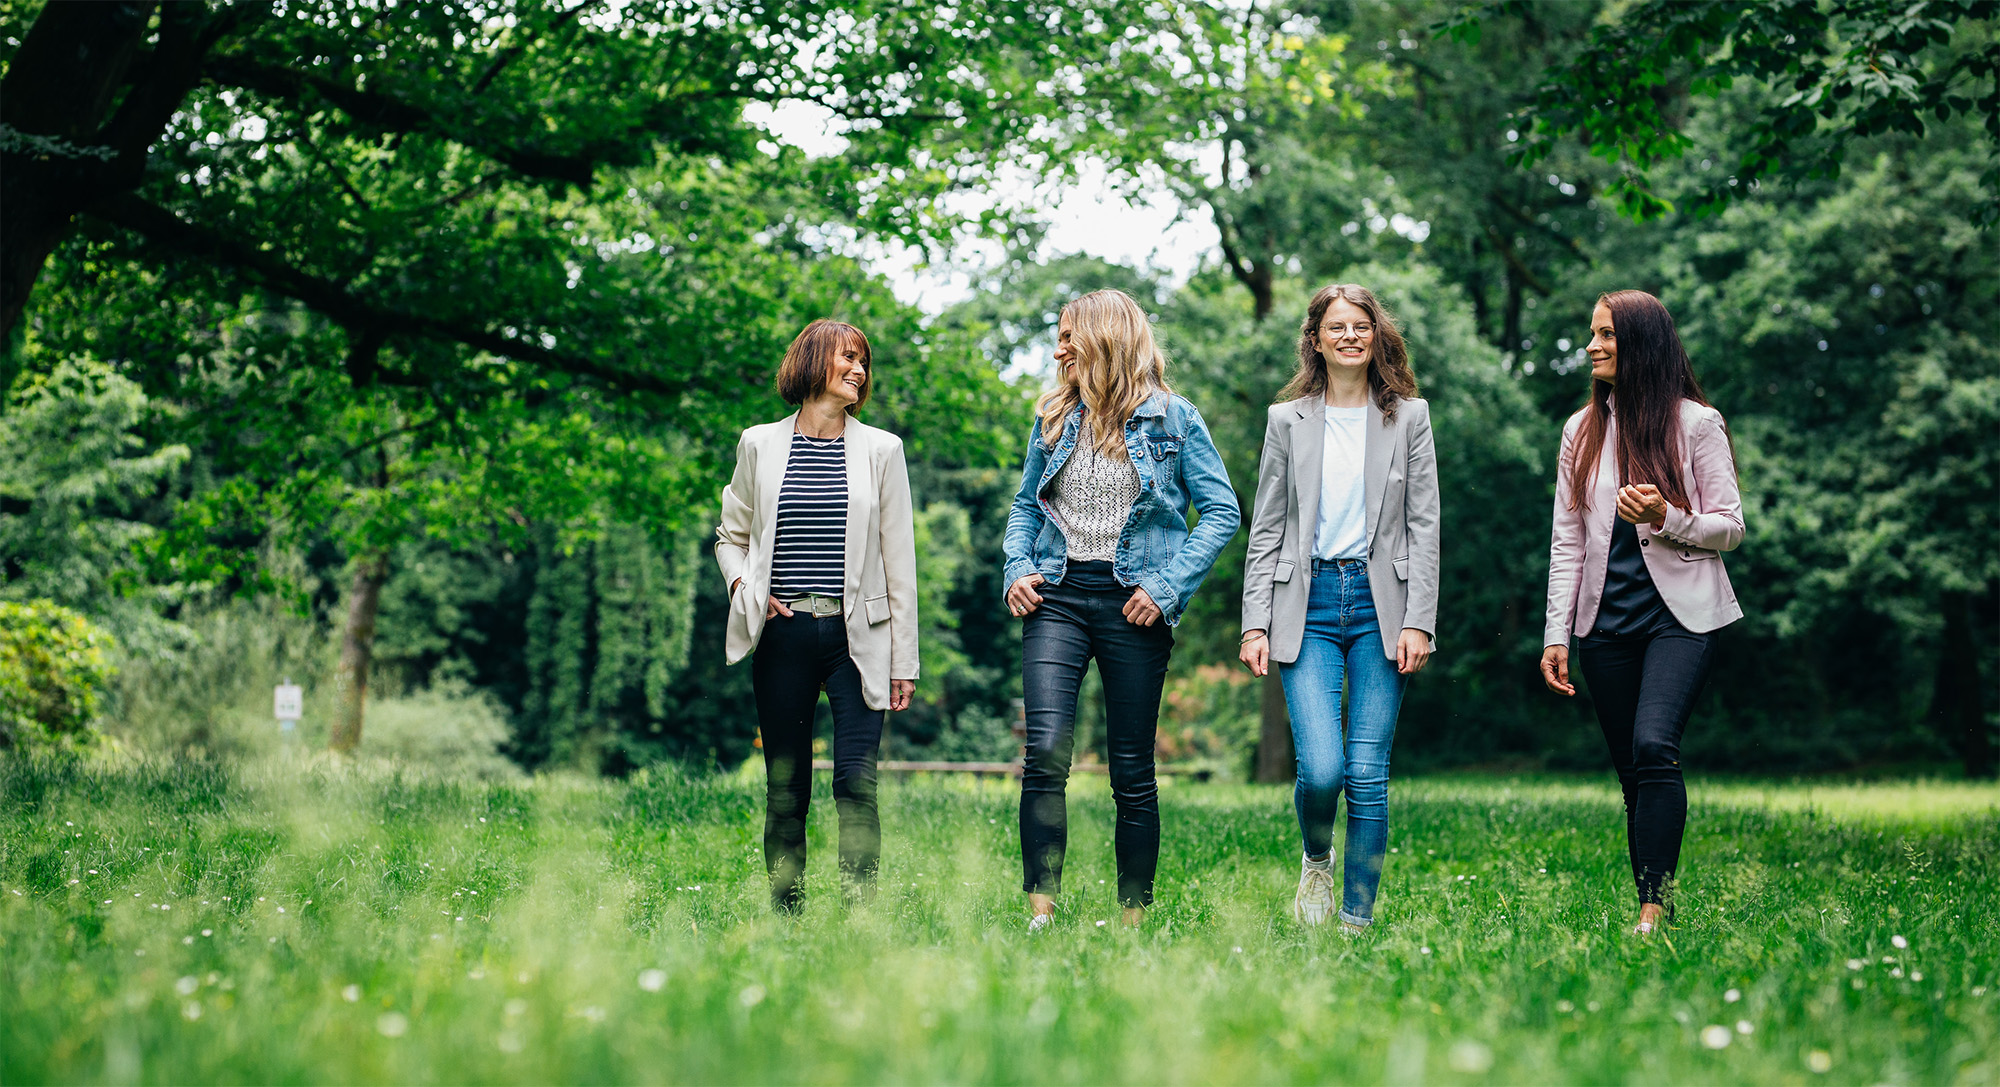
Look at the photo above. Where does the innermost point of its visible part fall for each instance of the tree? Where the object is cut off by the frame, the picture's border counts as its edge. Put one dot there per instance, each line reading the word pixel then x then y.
pixel 1839 72
pixel 450 246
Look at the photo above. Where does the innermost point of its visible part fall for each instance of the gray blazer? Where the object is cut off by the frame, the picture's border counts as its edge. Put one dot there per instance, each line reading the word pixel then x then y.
pixel 1402 510
pixel 880 601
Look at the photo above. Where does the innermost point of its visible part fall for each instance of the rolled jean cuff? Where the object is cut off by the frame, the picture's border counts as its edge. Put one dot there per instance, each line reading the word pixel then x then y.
pixel 1357 922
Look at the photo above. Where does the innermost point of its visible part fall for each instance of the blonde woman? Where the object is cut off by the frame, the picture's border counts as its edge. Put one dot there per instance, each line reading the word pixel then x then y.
pixel 818 547
pixel 1101 561
pixel 1340 584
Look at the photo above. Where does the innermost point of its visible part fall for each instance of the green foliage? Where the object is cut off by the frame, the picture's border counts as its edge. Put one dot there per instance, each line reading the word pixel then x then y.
pixel 53 670
pixel 608 630
pixel 80 490
pixel 370 926
pixel 1837 72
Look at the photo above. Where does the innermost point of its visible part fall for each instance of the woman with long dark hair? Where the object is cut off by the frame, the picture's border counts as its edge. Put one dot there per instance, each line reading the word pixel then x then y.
pixel 1101 561
pixel 1340 583
pixel 1646 502
pixel 818 547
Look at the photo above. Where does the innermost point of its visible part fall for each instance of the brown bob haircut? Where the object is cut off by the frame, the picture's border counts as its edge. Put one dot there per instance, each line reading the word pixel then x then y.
pixel 809 362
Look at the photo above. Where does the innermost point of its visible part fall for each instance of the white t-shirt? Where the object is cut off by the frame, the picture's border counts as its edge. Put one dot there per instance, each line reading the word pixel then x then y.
pixel 1343 496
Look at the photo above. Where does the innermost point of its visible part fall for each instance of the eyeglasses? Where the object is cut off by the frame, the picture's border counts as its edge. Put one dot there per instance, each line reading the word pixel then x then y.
pixel 1339 332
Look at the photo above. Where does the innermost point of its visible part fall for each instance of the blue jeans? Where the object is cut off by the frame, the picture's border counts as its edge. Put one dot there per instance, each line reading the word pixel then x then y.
pixel 1344 643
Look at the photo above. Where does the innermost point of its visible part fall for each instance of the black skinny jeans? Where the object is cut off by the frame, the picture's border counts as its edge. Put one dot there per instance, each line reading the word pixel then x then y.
pixel 1644 686
pixel 1080 619
pixel 796 656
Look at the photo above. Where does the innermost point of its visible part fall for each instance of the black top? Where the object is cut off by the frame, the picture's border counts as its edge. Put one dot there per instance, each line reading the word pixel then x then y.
pixel 810 555
pixel 1632 603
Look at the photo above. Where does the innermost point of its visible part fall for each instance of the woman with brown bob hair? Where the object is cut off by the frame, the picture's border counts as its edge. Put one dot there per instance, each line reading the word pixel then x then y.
pixel 1344 551
pixel 1646 503
pixel 818 548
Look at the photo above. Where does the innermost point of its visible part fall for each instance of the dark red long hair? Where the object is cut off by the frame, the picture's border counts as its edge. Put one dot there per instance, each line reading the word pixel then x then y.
pixel 1654 376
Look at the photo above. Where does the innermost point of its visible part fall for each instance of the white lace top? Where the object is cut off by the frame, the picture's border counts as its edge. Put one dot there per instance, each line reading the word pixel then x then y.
pixel 1093 499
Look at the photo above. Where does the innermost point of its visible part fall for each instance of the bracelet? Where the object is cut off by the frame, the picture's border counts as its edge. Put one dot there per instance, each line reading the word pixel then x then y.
pixel 1245 640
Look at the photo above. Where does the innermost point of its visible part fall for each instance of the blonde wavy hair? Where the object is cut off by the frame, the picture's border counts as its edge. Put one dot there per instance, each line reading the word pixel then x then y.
pixel 1118 367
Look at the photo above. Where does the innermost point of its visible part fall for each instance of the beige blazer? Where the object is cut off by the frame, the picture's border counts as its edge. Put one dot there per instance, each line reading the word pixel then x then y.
pixel 880 597
pixel 1400 464
pixel 1684 557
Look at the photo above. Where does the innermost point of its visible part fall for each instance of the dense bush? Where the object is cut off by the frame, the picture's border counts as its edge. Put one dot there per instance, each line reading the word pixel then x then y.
pixel 52 675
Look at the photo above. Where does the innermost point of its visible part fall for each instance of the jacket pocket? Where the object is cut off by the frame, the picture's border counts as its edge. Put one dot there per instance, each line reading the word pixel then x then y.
pixel 876 608
pixel 1697 554
pixel 1162 448
pixel 1284 571
pixel 1402 566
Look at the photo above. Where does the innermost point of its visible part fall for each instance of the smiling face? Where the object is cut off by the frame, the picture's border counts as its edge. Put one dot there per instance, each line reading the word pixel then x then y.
pixel 847 374
pixel 1346 337
pixel 1603 346
pixel 1065 349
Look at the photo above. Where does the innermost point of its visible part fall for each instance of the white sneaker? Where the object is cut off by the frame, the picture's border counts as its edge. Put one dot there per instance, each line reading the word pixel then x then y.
pixel 1314 902
pixel 1038 922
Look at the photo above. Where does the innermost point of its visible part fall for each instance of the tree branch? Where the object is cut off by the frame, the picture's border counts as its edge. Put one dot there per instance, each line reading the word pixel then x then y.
pixel 392 113
pixel 512 53
pixel 1526 220
pixel 362 317
pixel 1505 247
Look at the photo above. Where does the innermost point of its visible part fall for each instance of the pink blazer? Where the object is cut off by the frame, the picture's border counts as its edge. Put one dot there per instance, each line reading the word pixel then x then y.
pixel 1684 556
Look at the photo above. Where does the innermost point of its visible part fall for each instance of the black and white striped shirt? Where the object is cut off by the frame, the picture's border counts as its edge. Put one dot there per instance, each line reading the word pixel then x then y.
pixel 810 554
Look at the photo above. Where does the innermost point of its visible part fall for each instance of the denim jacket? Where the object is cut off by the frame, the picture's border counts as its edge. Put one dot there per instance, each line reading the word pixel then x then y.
pixel 1178 465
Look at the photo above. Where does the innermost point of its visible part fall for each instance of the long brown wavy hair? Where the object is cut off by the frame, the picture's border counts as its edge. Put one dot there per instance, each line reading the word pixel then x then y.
pixel 1389 375
pixel 1654 376
pixel 1118 366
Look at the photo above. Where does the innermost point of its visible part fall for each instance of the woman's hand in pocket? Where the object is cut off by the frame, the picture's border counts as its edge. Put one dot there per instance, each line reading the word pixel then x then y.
pixel 1022 599
pixel 773 607
pixel 1140 609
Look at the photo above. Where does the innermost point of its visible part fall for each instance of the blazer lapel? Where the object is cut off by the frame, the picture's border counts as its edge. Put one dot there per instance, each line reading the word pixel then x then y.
pixel 858 497
pixel 1378 450
pixel 1308 455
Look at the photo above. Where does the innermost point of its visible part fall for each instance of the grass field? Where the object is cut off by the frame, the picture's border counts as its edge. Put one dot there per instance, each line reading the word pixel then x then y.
pixel 183 925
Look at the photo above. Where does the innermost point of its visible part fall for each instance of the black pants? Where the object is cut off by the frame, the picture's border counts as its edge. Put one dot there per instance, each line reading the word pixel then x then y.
pixel 1080 619
pixel 1644 686
pixel 796 657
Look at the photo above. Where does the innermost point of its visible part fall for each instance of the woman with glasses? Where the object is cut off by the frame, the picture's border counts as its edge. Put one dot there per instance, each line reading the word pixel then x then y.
pixel 1340 584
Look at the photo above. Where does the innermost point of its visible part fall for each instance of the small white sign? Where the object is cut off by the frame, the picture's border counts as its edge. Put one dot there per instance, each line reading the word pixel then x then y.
pixel 290 702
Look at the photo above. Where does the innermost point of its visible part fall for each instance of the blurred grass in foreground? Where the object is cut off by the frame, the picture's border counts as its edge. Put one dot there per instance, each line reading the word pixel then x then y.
pixel 180 924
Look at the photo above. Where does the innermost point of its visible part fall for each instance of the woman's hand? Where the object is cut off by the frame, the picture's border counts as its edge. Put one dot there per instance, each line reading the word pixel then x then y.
pixel 1555 670
pixel 899 693
pixel 1642 504
pixel 1413 651
pixel 1022 599
pixel 773 608
pixel 1140 610
pixel 1255 653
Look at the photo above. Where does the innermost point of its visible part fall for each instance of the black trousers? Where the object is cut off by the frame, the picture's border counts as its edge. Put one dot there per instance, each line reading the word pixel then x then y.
pixel 795 658
pixel 1644 686
pixel 1081 619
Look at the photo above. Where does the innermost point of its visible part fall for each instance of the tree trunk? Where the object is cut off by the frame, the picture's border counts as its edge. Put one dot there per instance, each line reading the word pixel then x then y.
pixel 1274 737
pixel 357 648
pixel 57 92
pixel 1956 707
